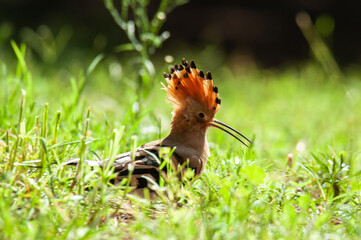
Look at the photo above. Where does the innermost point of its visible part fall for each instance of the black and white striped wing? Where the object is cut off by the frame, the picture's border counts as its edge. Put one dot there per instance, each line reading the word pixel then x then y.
pixel 144 169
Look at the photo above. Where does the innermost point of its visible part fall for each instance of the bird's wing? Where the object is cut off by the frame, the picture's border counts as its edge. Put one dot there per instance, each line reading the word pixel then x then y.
pixel 145 166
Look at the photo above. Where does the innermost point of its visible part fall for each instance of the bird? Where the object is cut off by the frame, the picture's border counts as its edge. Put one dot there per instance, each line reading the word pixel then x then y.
pixel 195 102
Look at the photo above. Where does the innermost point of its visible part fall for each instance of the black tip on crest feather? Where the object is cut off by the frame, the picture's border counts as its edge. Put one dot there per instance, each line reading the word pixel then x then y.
pixel 209 76
pixel 185 75
pixel 188 70
pixel 201 74
pixel 215 89
pixel 193 65
pixel 184 62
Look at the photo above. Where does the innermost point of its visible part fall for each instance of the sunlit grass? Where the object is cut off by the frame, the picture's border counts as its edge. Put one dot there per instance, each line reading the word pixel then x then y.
pixel 301 179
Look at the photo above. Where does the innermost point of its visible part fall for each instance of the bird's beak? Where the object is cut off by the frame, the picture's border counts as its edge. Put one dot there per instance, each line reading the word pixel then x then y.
pixel 224 127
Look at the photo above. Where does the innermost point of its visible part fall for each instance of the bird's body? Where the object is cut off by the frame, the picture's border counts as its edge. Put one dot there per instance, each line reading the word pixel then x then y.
pixel 195 101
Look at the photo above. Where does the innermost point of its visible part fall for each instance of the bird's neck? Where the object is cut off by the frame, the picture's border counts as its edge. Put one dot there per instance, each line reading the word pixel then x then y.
pixel 190 135
pixel 190 143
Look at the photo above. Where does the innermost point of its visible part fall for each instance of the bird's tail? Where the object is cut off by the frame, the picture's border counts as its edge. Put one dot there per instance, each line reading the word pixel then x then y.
pixel 75 162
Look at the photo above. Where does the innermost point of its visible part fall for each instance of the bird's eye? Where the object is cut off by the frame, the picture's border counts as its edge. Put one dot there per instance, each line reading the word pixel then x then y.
pixel 201 115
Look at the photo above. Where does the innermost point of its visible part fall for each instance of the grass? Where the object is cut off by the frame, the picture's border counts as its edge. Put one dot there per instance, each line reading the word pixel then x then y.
pixel 301 179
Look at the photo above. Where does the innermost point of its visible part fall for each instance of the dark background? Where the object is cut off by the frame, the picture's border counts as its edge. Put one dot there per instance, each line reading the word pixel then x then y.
pixel 266 30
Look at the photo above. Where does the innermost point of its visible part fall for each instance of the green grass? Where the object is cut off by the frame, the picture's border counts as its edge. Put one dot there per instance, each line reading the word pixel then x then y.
pixel 257 193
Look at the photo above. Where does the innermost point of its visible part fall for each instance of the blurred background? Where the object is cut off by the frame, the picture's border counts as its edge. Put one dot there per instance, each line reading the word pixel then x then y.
pixel 260 33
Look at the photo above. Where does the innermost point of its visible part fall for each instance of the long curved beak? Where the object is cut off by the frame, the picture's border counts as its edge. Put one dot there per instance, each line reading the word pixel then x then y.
pixel 225 128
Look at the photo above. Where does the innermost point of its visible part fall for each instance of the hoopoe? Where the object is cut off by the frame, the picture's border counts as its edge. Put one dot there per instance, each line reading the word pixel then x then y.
pixel 195 101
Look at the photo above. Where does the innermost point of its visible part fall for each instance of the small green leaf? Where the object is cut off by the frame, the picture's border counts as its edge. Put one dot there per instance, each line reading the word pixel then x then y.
pixel 124 47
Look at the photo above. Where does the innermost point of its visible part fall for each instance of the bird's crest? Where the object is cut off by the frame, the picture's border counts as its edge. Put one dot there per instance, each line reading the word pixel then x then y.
pixel 187 81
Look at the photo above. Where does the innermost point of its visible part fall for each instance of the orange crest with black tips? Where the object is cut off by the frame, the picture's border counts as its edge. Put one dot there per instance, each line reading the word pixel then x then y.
pixel 187 81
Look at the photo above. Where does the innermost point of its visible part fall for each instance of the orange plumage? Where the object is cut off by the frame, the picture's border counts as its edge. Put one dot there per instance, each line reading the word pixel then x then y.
pixel 186 81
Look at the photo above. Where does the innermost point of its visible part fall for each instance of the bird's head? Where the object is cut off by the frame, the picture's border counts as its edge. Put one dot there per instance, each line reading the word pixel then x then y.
pixel 195 99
